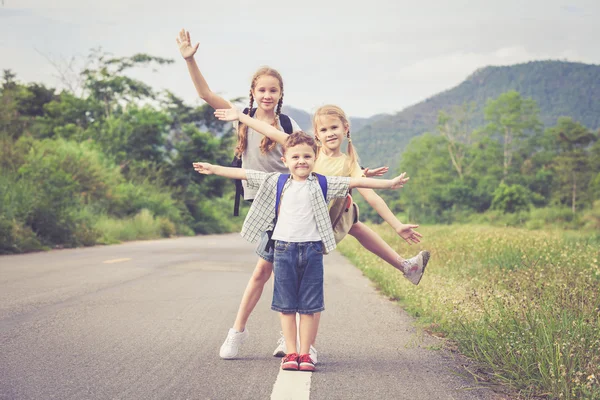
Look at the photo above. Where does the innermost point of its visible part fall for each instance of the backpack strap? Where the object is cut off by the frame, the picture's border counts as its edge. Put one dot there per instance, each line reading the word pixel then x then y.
pixel 237 163
pixel 286 124
pixel 280 184
pixel 323 183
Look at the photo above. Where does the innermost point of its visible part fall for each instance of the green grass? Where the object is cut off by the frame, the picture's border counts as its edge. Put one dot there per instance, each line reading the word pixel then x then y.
pixel 524 303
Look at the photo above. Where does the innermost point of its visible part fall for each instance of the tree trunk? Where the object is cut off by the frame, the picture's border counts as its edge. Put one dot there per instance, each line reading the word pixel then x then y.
pixel 574 196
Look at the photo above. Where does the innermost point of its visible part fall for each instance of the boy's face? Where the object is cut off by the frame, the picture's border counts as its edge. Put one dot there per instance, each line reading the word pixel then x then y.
pixel 300 160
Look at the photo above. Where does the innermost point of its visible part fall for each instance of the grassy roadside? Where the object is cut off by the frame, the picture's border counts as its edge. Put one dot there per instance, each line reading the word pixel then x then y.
pixel 524 303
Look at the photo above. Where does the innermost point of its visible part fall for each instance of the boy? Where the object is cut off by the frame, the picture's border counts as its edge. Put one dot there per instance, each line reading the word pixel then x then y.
pixel 302 233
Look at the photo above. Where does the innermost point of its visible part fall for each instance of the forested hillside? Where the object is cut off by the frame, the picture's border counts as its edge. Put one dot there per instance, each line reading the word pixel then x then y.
pixel 558 88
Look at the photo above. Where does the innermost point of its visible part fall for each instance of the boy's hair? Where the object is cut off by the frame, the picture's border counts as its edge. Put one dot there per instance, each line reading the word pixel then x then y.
pixel 266 144
pixel 331 110
pixel 298 138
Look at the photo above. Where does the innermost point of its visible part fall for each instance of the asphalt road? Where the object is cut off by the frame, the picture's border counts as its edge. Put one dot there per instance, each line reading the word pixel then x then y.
pixel 145 320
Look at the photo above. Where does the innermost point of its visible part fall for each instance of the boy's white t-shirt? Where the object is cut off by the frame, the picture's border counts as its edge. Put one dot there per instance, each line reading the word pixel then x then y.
pixel 254 159
pixel 296 219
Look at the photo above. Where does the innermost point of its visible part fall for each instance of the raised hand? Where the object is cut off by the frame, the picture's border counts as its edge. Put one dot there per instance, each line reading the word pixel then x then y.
pixel 406 232
pixel 399 181
pixel 369 173
pixel 228 114
pixel 203 168
pixel 185 44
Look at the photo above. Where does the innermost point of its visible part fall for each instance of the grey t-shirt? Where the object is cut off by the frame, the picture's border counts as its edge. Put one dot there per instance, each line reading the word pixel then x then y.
pixel 254 159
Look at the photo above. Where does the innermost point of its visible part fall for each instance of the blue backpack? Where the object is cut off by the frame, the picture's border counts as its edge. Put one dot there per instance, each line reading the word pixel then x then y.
pixel 286 125
pixel 280 184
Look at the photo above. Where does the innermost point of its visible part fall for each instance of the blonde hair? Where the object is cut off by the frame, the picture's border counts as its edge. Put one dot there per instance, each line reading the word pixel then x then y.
pixel 266 144
pixel 331 110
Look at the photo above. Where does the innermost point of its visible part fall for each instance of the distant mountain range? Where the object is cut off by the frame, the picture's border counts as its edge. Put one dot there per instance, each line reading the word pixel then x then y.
pixel 559 88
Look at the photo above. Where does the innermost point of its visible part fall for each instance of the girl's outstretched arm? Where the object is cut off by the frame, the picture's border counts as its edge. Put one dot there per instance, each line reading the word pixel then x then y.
pixel 187 52
pixel 232 113
pixel 227 172
pixel 405 231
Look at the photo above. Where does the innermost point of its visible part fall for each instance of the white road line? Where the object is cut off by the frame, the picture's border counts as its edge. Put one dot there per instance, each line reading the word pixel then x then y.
pixel 116 260
pixel 292 385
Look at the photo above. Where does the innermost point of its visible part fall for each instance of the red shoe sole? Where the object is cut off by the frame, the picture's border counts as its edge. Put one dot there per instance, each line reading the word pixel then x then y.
pixel 307 368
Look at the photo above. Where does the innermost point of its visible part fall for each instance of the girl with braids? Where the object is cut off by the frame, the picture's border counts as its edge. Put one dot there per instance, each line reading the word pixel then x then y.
pixel 331 127
pixel 256 152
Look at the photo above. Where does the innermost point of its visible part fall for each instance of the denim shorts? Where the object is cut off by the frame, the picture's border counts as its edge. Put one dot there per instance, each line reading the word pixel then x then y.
pixel 298 269
pixel 260 249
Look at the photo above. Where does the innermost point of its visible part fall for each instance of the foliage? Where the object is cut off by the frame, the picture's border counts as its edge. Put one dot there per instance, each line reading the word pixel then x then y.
pixel 522 303
pixel 559 89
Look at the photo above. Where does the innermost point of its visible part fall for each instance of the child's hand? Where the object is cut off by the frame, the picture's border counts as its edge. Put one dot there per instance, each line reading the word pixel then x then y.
pixel 399 181
pixel 228 114
pixel 203 168
pixel 406 232
pixel 369 173
pixel 185 44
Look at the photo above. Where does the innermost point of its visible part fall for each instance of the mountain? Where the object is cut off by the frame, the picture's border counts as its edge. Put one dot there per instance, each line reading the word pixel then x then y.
pixel 304 119
pixel 559 88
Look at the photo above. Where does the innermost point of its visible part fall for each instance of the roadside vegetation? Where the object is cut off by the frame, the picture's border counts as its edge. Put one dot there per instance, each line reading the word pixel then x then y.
pixel 525 304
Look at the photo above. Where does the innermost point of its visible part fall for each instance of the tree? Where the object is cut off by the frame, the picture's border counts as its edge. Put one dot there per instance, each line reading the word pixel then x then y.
pixel 573 163
pixel 455 127
pixel 511 119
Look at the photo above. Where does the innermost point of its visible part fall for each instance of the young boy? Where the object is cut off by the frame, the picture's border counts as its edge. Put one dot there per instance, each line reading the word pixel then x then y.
pixel 302 233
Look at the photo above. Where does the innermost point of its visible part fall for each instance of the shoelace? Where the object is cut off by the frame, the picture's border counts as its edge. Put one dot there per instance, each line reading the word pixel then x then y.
pixel 290 357
pixel 231 338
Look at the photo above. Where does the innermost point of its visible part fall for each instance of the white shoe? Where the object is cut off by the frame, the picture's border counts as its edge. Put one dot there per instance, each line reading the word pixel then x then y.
pixel 281 349
pixel 313 354
pixel 231 345
pixel 415 267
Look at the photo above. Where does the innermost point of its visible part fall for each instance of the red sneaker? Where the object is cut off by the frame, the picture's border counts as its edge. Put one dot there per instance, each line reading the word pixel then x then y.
pixel 290 362
pixel 306 363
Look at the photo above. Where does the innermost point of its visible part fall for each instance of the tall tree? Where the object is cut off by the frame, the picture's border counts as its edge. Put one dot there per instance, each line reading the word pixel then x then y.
pixel 573 163
pixel 511 119
pixel 455 127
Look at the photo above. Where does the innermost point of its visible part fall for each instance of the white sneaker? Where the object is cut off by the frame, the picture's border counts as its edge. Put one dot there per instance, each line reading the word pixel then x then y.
pixel 231 345
pixel 415 267
pixel 281 349
pixel 313 354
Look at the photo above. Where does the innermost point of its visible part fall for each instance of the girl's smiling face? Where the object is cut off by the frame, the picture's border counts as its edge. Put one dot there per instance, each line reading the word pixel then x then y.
pixel 267 92
pixel 331 132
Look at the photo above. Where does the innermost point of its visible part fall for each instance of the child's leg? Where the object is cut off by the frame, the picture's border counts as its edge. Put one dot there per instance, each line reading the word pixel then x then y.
pixel 376 245
pixel 412 268
pixel 317 321
pixel 309 324
pixel 260 276
pixel 311 302
pixel 289 329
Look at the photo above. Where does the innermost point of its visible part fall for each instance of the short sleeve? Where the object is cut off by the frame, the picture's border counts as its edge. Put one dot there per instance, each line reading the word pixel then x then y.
pixel 357 171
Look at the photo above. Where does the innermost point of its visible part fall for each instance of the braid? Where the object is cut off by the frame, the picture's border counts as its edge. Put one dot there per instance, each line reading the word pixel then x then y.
pixel 279 105
pixel 242 142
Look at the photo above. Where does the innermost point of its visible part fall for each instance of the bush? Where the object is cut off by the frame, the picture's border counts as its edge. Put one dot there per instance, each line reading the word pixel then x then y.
pixel 510 199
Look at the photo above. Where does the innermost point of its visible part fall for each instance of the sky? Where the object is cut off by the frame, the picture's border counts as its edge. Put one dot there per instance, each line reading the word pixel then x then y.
pixel 376 56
